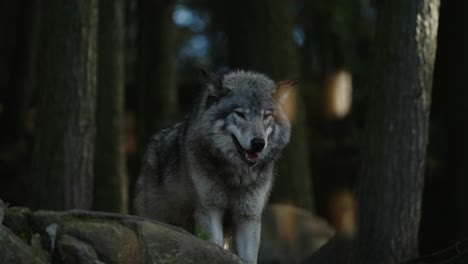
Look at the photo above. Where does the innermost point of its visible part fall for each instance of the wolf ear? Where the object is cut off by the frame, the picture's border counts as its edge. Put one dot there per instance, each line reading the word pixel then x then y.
pixel 210 76
pixel 214 83
pixel 283 91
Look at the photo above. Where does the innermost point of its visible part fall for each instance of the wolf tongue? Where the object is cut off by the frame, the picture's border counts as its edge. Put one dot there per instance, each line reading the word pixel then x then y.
pixel 251 155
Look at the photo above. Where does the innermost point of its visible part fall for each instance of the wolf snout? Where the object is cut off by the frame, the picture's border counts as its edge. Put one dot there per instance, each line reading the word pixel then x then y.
pixel 257 144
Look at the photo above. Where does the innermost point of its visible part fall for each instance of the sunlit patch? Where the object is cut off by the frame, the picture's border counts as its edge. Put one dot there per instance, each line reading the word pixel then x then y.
pixel 338 95
pixel 185 16
pixel 290 107
pixel 342 211
pixel 286 97
pixel 288 223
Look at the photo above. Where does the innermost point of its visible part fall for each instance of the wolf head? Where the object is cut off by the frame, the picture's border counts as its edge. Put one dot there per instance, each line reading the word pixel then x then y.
pixel 242 117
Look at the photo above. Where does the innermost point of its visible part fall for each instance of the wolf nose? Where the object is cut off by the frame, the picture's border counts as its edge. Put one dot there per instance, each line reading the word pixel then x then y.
pixel 257 144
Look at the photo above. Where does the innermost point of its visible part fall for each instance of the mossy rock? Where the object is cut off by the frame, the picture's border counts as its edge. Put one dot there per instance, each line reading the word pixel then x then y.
pixel 92 237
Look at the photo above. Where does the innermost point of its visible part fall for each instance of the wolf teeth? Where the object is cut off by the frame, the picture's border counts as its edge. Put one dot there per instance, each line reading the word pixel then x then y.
pixel 251 155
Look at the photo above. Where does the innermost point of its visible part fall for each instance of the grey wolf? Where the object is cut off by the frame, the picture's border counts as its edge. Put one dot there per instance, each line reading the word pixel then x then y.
pixel 213 172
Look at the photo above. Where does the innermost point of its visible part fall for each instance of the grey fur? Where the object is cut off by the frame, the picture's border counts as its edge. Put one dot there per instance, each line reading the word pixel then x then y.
pixel 194 176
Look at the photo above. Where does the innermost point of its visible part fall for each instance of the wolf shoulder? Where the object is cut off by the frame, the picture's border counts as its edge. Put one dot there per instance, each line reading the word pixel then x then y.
pixel 162 155
pixel 160 169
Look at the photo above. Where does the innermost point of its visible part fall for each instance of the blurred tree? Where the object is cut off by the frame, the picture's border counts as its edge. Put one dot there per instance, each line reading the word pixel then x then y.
pixel 157 93
pixel 390 185
pixel 110 188
pixel 31 64
pixel 446 193
pixel 18 79
pixel 392 177
pixel 337 38
pixel 457 119
pixel 62 163
pixel 260 38
pixel 319 55
pixel 16 19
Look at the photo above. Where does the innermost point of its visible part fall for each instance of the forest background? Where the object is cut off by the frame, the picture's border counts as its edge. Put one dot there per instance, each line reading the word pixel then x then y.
pixel 84 85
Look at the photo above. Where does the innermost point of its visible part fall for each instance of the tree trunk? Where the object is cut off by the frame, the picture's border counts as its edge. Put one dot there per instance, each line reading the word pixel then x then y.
pixel 62 169
pixel 457 118
pixel 157 105
pixel 19 65
pixel 392 177
pixel 31 62
pixel 110 188
pixel 157 94
pixel 14 22
pixel 260 39
pixel 446 204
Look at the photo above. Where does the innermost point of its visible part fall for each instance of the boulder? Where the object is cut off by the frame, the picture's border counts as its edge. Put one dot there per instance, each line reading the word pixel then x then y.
pixel 14 250
pixel 291 234
pixel 92 237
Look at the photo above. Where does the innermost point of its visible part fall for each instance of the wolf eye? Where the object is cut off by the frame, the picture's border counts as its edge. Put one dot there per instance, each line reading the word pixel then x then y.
pixel 240 114
pixel 265 116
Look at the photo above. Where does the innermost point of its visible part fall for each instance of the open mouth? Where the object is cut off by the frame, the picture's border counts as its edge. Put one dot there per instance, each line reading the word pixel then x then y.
pixel 248 156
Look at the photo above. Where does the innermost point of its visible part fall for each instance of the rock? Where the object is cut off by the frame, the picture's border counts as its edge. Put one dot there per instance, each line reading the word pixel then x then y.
pixel 163 245
pixel 92 237
pixel 290 234
pixel 112 241
pixel 17 220
pixel 15 250
pixel 36 247
pixel 74 251
pixel 336 251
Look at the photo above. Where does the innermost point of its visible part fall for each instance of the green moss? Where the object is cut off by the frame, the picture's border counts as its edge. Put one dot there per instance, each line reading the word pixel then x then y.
pixel 88 219
pixel 202 234
pixel 17 220
pixel 25 236
pixel 174 258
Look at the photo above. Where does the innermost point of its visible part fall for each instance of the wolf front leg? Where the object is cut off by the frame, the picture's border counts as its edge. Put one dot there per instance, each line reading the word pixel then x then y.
pixel 247 238
pixel 209 222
